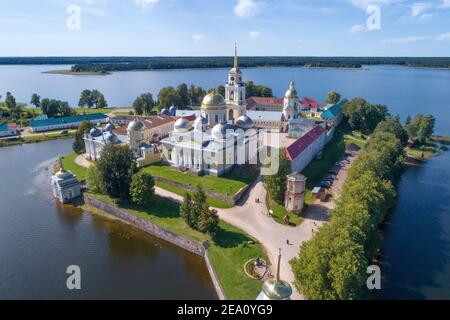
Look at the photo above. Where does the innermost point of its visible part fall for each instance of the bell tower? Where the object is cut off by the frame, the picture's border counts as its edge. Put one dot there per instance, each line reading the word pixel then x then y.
pixel 235 88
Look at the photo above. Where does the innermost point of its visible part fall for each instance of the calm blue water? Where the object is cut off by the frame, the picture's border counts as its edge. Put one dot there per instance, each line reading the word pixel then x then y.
pixel 416 252
pixel 404 90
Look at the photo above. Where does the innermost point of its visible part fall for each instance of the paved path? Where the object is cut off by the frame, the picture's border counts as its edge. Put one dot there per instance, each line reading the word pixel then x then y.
pixel 82 161
pixel 253 218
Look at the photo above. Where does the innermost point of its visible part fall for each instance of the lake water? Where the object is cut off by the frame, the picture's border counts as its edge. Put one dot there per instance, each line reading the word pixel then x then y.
pixel 416 251
pixel 39 239
pixel 406 91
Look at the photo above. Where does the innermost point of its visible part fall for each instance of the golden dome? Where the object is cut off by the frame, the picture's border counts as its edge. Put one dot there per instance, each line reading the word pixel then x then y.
pixel 292 92
pixel 213 101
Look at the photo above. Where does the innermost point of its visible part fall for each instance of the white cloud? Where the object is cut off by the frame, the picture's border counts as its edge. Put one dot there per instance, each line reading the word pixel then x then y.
pixel 248 8
pixel 443 36
pixel 404 40
pixel 363 4
pixel 419 9
pixel 198 37
pixel 144 3
pixel 357 28
pixel 255 34
pixel 445 4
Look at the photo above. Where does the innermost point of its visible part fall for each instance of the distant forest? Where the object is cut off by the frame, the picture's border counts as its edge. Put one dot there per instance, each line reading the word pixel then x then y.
pixel 108 64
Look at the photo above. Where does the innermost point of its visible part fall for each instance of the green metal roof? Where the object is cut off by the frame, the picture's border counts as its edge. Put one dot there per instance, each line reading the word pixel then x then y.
pixel 67 120
pixel 334 111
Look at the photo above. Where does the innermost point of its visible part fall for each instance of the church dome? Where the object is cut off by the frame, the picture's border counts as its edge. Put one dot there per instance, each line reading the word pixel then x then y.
pixel 165 111
pixel 200 123
pixel 95 133
pixel 109 127
pixel 277 289
pixel 244 122
pixel 219 131
pixel 291 93
pixel 111 138
pixel 136 126
pixel 182 125
pixel 213 101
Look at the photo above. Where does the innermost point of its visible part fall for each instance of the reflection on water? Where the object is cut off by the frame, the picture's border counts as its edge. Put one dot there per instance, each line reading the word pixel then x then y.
pixel 40 238
pixel 416 250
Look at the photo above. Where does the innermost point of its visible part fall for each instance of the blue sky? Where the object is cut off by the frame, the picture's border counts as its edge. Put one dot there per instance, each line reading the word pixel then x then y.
pixel 210 27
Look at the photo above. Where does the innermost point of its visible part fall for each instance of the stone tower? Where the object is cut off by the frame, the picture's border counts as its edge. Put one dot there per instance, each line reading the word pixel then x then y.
pixel 295 192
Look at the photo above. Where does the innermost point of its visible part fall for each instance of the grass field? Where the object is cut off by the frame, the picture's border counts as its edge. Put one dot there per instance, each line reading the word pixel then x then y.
pixel 279 212
pixel 228 184
pixel 230 248
pixel 69 164
pixel 213 202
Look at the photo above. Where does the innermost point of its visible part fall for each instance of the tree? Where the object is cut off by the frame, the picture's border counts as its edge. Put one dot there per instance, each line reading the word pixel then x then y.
pixel 86 99
pixel 208 220
pixel 197 214
pixel 116 167
pixel 221 90
pixel 196 95
pixel 364 116
pixel 251 90
pixel 143 104
pixel 276 184
pixel 393 125
pixel 421 128
pixel 78 145
pixel 36 100
pixel 10 101
pixel 101 102
pixel 333 97
pixel 169 97
pixel 93 180
pixel 53 108
pixel 142 189
pixel 183 93
pixel 186 211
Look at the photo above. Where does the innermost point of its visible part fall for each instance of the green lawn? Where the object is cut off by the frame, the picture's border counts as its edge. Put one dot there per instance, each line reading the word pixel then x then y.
pixel 213 202
pixel 69 164
pixel 99 110
pixel 230 248
pixel 428 150
pixel 228 184
pixel 441 139
pixel 279 212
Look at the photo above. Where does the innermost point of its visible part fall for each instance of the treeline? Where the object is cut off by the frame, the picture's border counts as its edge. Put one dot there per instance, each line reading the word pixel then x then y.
pixel 333 265
pixel 105 64
pixel 158 63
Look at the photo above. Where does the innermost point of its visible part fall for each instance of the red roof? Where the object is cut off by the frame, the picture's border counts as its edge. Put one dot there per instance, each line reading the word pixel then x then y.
pixel 309 102
pixel 295 149
pixel 150 122
pixel 254 101
pixel 12 126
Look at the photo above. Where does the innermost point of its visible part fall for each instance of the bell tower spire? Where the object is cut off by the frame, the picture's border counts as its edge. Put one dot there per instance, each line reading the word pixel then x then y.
pixel 235 56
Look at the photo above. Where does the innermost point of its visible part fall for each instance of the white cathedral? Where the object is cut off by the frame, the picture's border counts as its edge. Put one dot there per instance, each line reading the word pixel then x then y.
pixel 223 134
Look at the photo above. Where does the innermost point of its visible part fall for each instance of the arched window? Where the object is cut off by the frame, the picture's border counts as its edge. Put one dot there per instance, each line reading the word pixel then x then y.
pixel 216 118
pixel 230 115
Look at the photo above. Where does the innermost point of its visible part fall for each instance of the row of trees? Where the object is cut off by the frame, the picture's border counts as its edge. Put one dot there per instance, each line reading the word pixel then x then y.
pixel 52 107
pixel 333 265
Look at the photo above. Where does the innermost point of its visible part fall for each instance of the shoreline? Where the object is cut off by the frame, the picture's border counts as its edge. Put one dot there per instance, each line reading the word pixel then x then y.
pixel 73 73
pixel 159 232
